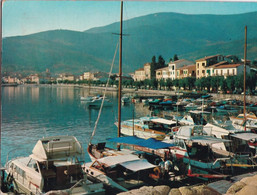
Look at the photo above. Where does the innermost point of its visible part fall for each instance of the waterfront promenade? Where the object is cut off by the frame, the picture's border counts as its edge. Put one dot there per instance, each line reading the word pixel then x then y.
pixel 147 92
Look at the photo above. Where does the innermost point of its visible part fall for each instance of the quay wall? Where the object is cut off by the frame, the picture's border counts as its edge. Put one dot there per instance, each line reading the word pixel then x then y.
pixel 144 92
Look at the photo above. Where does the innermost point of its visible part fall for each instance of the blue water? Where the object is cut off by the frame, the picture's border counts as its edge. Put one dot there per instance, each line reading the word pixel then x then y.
pixel 32 112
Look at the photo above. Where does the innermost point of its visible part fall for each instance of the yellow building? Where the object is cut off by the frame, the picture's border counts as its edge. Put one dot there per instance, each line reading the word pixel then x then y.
pixel 202 63
pixel 143 73
pixel 162 73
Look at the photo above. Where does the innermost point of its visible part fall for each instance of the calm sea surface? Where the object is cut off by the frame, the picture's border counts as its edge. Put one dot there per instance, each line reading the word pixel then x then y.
pixel 32 112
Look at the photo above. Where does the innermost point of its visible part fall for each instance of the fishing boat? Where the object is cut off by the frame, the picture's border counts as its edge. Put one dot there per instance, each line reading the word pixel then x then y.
pixel 121 172
pixel 193 148
pixel 148 127
pixel 238 137
pixel 54 166
pixel 226 109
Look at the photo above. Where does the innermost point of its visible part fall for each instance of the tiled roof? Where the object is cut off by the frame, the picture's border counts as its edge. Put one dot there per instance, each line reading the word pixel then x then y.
pixel 140 69
pixel 187 67
pixel 218 64
pixel 228 66
pixel 207 57
pixel 165 68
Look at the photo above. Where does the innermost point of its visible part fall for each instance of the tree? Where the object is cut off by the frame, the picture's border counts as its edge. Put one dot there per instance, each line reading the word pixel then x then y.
pixel 154 83
pixel 168 83
pixel 251 81
pixel 153 67
pixel 161 62
pixel 162 83
pixel 239 84
pixel 231 83
pixel 175 58
pixel 223 84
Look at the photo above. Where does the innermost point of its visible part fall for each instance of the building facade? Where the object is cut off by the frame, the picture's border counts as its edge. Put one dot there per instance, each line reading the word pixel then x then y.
pixel 203 63
pixel 174 66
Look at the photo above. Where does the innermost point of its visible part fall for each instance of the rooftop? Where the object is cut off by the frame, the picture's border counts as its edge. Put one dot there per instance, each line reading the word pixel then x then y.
pixel 228 66
pixel 208 57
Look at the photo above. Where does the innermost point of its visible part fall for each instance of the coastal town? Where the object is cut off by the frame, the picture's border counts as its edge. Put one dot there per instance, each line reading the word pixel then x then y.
pixel 84 114
pixel 180 73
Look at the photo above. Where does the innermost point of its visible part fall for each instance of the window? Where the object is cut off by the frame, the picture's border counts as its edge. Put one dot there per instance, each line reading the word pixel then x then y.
pixel 227 71
pixel 221 72
pixel 203 64
pixel 173 67
pixel 197 72
pixel 203 71
pixel 197 65
pixel 217 72
pixel 233 72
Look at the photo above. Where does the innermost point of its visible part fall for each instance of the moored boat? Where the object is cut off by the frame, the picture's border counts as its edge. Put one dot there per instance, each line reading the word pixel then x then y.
pixel 54 165
pixel 148 127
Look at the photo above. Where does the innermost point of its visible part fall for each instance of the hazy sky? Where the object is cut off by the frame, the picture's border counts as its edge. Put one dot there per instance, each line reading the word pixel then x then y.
pixel 26 17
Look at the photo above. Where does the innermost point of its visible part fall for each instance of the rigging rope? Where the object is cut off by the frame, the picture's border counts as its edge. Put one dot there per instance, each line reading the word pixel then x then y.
pixel 107 83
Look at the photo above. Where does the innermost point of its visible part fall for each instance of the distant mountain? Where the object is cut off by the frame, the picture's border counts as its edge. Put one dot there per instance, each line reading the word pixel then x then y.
pixel 166 34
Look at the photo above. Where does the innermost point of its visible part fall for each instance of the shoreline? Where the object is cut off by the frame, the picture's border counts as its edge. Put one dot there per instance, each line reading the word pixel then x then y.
pixel 148 92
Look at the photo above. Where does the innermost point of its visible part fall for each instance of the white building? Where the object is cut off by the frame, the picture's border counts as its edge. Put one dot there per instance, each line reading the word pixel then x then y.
pixel 174 66
pixel 230 70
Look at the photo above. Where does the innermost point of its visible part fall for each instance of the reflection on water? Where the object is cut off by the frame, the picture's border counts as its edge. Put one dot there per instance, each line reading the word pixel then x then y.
pixel 32 112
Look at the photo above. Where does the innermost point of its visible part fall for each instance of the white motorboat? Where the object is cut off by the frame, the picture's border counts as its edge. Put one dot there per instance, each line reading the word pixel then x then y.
pixel 54 165
pixel 87 98
pixel 148 127
pixel 96 102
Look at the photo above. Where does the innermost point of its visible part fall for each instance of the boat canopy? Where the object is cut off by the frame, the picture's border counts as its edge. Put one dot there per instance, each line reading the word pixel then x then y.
pixel 56 147
pixel 245 136
pixel 148 143
pixel 114 160
pixel 208 140
pixel 196 134
pixel 137 165
pixel 163 121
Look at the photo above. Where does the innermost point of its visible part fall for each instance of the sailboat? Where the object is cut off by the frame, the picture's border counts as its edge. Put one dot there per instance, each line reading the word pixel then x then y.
pixel 120 169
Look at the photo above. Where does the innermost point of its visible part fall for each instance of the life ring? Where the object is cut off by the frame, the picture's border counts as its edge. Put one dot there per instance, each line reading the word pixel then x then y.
pixel 157 171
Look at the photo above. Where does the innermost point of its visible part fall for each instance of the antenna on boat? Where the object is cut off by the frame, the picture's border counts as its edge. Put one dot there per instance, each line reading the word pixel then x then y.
pixel 120 70
pixel 245 50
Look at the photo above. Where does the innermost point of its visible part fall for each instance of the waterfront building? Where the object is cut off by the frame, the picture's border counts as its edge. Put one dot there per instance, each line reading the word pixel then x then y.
pixel 203 63
pixel 186 71
pixel 230 70
pixel 174 66
pixel 65 77
pixel 88 76
pixel 143 73
pixel 162 73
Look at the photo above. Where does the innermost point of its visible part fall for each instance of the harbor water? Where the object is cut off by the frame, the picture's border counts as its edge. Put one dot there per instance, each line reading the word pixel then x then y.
pixel 31 112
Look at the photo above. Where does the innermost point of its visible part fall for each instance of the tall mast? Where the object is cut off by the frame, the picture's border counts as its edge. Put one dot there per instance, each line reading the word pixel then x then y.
pixel 1 82
pixel 245 51
pixel 120 70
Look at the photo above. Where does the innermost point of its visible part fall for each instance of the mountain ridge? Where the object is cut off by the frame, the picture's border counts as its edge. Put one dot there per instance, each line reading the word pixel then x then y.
pixel 166 34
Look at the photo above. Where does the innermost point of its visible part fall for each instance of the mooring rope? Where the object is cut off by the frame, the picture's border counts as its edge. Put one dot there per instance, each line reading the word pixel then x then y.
pixel 107 83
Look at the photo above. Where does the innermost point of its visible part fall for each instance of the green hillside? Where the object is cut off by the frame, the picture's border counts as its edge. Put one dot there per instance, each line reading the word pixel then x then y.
pixel 166 34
